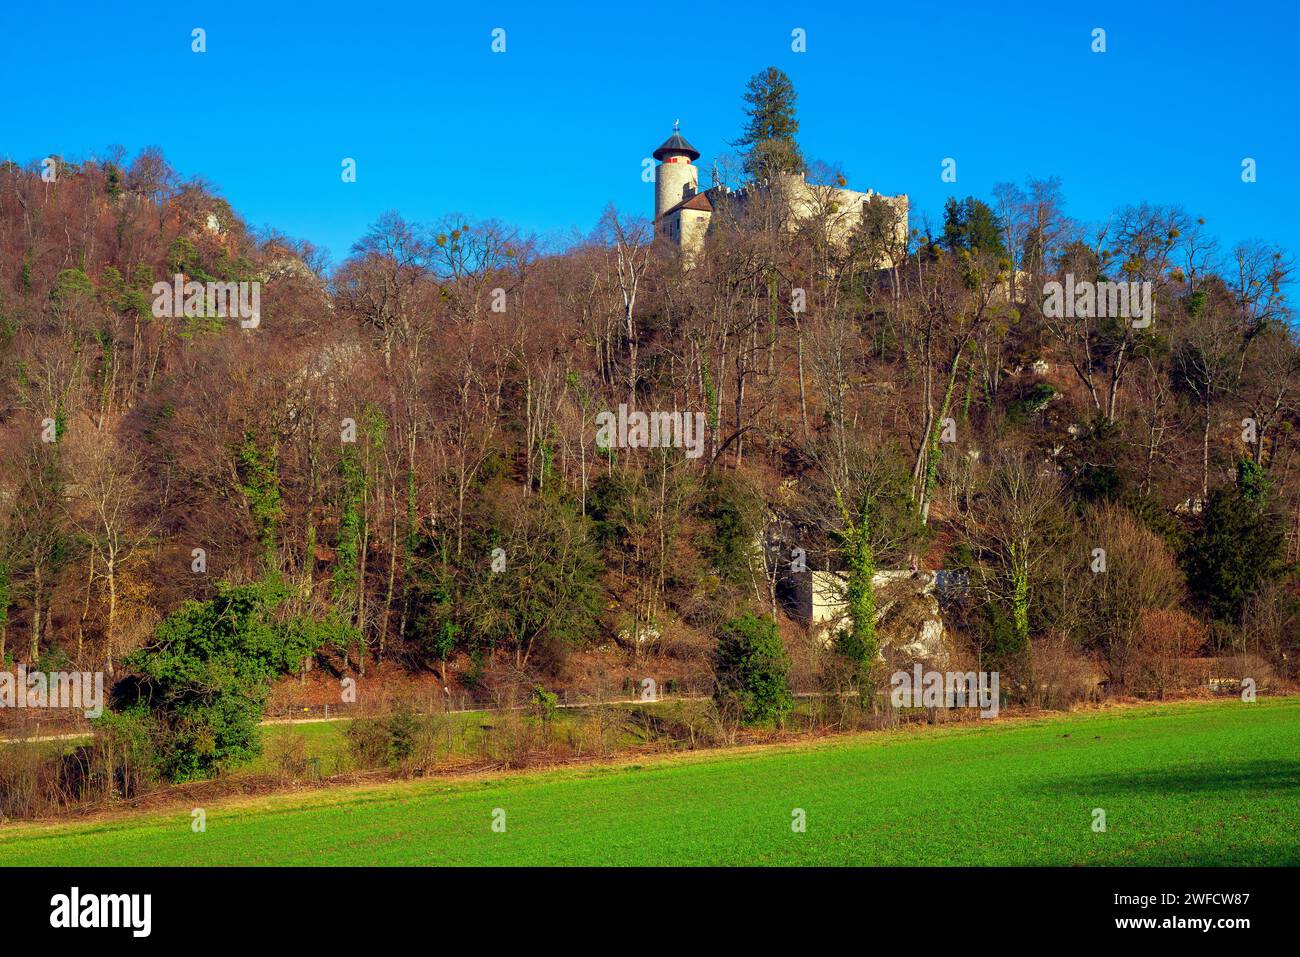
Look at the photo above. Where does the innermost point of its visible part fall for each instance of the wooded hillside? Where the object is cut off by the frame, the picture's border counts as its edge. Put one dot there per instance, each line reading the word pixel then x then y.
pixel 928 413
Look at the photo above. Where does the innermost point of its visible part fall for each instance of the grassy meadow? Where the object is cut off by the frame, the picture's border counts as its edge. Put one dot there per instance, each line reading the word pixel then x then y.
pixel 1198 783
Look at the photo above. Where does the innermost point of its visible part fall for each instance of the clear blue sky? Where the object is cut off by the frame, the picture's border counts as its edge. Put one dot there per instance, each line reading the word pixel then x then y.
pixel 546 134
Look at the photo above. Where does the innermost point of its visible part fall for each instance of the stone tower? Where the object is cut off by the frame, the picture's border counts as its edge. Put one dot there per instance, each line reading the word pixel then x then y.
pixel 676 178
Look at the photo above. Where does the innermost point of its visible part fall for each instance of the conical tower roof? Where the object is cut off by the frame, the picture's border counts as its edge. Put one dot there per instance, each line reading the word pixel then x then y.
pixel 676 144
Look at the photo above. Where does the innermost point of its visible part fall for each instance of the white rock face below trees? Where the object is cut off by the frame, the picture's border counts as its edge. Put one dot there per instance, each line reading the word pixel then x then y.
pixel 909 623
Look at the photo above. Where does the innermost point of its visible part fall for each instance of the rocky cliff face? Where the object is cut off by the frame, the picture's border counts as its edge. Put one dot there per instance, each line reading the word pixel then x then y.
pixel 909 622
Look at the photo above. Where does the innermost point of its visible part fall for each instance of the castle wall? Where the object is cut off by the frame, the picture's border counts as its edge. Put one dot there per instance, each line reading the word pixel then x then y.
pixel 694 225
pixel 841 209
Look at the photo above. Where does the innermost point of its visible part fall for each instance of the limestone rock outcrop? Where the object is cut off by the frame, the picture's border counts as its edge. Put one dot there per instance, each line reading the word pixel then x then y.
pixel 909 620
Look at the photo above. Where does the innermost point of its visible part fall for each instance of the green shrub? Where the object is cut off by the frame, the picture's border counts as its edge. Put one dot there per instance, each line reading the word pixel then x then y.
pixel 543 703
pixel 1237 547
pixel 752 669
pixel 403 726
pixel 202 684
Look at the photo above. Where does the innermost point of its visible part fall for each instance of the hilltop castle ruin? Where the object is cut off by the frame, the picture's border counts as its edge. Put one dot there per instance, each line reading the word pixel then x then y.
pixel 684 214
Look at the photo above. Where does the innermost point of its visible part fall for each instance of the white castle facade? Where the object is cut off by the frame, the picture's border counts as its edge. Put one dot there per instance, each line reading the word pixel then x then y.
pixel 684 213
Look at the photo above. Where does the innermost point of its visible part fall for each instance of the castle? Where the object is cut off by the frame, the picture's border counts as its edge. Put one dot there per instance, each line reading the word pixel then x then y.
pixel 683 214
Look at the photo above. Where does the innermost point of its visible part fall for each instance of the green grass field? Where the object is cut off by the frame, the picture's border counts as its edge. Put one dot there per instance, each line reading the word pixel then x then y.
pixel 1206 783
